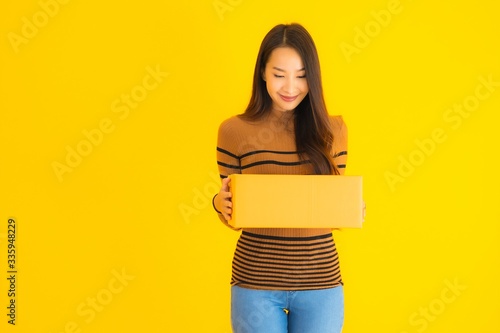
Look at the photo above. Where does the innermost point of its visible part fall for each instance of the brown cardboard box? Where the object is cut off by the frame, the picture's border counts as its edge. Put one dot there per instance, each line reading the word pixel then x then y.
pixel 296 201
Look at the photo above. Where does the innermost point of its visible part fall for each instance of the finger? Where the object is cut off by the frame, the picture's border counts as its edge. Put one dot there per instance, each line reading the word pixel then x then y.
pixel 227 214
pixel 225 184
pixel 224 197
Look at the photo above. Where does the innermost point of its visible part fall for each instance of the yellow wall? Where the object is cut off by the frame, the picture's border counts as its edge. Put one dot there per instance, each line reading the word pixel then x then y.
pixel 109 115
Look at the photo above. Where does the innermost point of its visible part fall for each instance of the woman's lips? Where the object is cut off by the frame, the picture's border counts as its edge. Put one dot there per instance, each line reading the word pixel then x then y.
pixel 288 98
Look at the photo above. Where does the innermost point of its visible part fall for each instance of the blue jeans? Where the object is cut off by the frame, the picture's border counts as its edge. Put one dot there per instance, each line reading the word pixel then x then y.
pixel 274 311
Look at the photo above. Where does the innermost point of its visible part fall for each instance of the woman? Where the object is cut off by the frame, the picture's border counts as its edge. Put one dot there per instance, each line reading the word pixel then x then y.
pixel 284 280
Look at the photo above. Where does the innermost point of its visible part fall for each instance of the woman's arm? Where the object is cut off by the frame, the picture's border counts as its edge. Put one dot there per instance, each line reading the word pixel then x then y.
pixel 339 147
pixel 228 163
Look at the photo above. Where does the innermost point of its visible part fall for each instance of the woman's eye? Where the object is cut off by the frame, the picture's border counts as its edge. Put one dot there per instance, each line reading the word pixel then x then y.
pixel 281 76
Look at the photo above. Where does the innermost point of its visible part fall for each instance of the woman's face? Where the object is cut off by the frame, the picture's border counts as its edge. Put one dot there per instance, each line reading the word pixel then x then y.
pixel 285 78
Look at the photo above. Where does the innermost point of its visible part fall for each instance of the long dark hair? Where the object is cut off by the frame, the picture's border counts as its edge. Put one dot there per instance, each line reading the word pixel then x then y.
pixel 313 134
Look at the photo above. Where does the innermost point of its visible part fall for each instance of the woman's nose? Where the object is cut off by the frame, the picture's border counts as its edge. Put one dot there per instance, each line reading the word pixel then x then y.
pixel 289 86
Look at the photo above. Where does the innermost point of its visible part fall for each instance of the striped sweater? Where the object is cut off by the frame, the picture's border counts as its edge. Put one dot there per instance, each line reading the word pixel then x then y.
pixel 285 258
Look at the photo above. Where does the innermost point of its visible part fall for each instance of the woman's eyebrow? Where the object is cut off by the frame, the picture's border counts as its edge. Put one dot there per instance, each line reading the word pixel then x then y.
pixel 282 70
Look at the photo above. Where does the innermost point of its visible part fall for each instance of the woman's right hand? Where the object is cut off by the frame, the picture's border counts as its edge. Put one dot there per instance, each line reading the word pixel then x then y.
pixel 223 201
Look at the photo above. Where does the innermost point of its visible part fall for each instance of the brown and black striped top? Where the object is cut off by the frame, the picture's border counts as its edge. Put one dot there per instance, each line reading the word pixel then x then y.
pixel 271 258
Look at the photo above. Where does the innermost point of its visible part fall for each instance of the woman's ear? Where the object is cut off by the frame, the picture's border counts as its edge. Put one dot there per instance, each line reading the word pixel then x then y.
pixel 263 75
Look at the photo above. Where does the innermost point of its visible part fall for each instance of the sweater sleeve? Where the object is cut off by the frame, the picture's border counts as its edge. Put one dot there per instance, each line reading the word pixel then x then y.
pixel 339 148
pixel 228 161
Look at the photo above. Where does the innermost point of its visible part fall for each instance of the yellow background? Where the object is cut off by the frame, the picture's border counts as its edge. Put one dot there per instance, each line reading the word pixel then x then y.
pixel 138 203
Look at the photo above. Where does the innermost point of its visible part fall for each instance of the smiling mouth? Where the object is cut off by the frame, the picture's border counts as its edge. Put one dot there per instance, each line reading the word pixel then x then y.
pixel 288 98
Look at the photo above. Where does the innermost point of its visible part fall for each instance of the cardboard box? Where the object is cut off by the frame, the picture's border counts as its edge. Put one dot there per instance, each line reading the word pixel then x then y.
pixel 296 201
